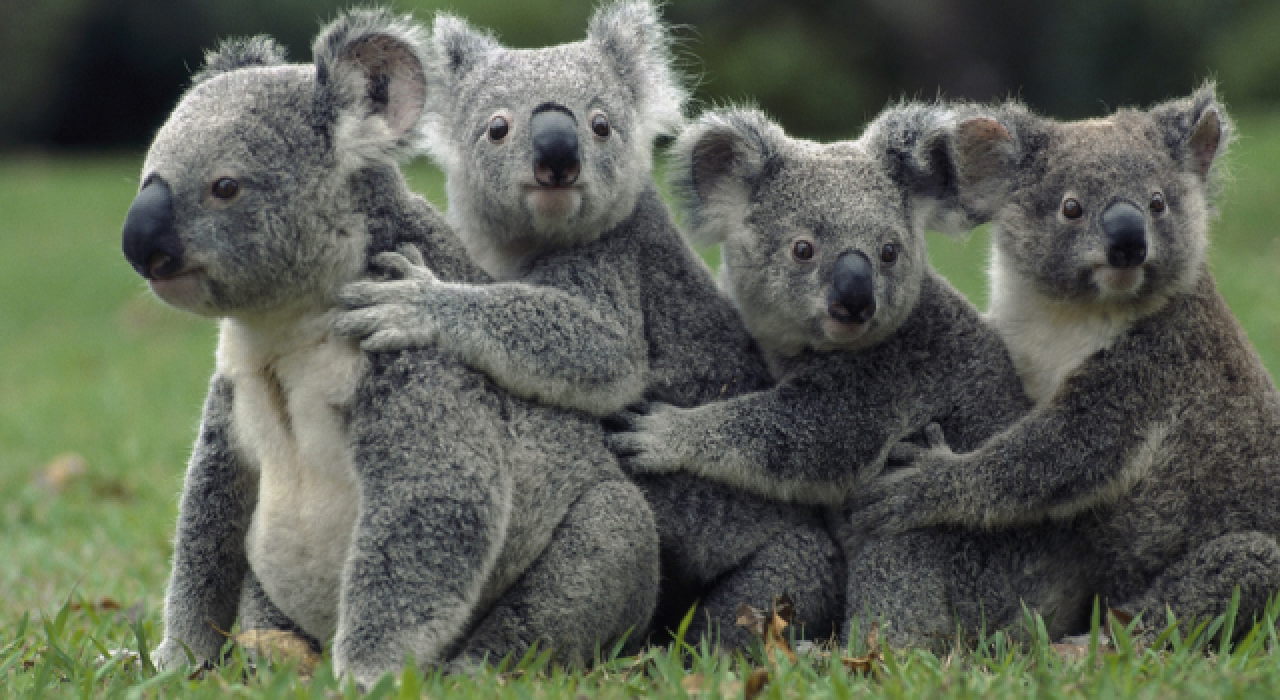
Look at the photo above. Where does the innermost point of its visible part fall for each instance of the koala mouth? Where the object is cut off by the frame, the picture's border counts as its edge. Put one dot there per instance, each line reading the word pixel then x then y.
pixel 554 202
pixel 837 331
pixel 1113 280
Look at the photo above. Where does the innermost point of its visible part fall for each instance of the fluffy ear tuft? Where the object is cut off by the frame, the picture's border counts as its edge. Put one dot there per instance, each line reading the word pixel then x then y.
pixel 370 69
pixel 1196 130
pixel 232 54
pixel 632 36
pixel 716 164
pixel 457 47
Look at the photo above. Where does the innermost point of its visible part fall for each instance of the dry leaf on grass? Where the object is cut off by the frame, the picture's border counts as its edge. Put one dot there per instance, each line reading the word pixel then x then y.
pixel 61 471
pixel 99 605
pixel 770 626
pixel 697 686
pixel 866 664
pixel 280 647
pixel 756 682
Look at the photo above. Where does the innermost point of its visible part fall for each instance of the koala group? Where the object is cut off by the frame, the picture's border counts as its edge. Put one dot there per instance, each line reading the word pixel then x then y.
pixel 538 420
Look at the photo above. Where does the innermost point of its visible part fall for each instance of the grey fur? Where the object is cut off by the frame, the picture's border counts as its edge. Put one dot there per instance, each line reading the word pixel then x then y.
pixel 585 316
pixel 1157 429
pixel 398 504
pixel 845 398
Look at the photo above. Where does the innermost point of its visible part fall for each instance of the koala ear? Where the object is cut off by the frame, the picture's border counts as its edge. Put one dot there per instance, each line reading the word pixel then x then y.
pixel 1196 130
pixel 984 150
pixel 232 54
pixel 914 142
pixel 370 73
pixel 457 47
pixel 633 38
pixel 717 163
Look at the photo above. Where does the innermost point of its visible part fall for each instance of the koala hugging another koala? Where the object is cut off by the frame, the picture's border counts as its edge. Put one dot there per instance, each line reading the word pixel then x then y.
pixel 398 504
pixel 1156 428
pixel 824 256
pixel 599 302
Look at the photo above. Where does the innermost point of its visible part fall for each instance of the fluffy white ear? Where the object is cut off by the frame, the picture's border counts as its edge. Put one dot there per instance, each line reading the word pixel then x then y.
pixel 716 164
pixel 634 39
pixel 457 47
pixel 371 76
pixel 1196 129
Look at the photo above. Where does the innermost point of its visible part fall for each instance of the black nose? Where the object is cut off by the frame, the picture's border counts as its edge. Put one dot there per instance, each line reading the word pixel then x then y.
pixel 1126 235
pixel 556 161
pixel 150 243
pixel 852 298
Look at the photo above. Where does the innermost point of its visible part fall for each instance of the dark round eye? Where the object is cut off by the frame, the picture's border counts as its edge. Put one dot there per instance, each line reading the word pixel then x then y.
pixel 225 188
pixel 600 126
pixel 889 253
pixel 1072 209
pixel 802 250
pixel 498 128
pixel 1157 202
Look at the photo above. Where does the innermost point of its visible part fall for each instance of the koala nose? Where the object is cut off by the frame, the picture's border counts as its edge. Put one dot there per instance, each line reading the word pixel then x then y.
pixel 852 298
pixel 1126 235
pixel 556 160
pixel 149 242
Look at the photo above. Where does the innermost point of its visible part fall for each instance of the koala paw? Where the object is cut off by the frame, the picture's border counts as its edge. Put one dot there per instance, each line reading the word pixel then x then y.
pixel 169 655
pixel 640 436
pixel 395 313
pixel 901 498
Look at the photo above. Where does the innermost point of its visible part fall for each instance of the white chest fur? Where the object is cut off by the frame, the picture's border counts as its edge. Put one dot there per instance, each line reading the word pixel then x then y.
pixel 1047 340
pixel 292 385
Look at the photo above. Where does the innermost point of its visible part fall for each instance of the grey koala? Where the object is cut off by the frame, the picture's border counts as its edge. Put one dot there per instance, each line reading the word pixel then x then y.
pixel 400 504
pixel 1156 428
pixel 824 256
pixel 601 303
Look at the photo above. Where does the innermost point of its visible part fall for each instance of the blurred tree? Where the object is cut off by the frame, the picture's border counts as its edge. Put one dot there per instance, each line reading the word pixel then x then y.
pixel 103 73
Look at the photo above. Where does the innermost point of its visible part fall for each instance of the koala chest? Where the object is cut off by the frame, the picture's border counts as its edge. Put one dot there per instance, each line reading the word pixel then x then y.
pixel 291 394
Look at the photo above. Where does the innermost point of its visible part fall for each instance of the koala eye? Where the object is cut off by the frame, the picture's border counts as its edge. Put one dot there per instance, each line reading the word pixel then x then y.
pixel 600 125
pixel 1072 209
pixel 802 250
pixel 225 188
pixel 1157 202
pixel 498 128
pixel 889 253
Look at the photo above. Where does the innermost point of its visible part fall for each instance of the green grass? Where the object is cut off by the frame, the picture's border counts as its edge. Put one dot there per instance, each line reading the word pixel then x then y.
pixel 90 364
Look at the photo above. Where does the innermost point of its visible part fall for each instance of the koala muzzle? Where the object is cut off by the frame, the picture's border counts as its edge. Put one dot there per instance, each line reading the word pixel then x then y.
pixel 556 158
pixel 150 244
pixel 1126 229
pixel 852 298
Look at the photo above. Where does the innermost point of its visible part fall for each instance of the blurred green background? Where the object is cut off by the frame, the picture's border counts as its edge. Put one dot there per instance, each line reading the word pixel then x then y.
pixel 101 386
pixel 103 73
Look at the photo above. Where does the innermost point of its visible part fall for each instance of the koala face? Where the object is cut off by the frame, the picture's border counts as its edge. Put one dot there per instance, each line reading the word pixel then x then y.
pixel 550 144
pixel 246 205
pixel 823 245
pixel 1108 211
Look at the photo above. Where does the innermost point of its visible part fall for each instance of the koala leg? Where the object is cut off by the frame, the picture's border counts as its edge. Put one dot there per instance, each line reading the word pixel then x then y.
pixel 802 562
pixel 257 612
pixel 596 581
pixel 1200 586
pixel 925 585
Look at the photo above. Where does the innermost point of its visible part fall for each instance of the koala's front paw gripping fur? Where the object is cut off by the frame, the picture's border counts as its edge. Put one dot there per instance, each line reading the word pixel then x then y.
pixel 392 314
pixel 905 497
pixel 644 438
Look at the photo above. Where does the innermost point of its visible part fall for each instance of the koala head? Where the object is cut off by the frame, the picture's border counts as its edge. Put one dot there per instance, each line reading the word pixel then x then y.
pixel 1110 211
pixel 823 243
pixel 247 204
pixel 550 145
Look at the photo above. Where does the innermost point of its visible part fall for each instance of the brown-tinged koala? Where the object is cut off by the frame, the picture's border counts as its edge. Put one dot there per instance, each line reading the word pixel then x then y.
pixel 400 504
pixel 824 256
pixel 600 302
pixel 1156 429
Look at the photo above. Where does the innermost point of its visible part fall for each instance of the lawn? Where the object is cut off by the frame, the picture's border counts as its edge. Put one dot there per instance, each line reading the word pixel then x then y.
pixel 100 393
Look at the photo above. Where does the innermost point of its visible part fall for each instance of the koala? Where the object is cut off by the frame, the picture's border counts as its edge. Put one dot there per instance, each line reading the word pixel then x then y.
pixel 599 301
pixel 1156 429
pixel 824 256
pixel 398 504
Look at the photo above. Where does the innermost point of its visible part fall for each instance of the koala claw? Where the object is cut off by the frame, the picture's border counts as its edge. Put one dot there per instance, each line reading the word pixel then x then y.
pixel 638 436
pixel 886 506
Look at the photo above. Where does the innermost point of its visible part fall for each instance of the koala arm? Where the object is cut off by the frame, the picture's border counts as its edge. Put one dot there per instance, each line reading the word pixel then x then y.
pixel 1101 434
pixel 566 334
pixel 435 500
pixel 219 496
pixel 793 442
